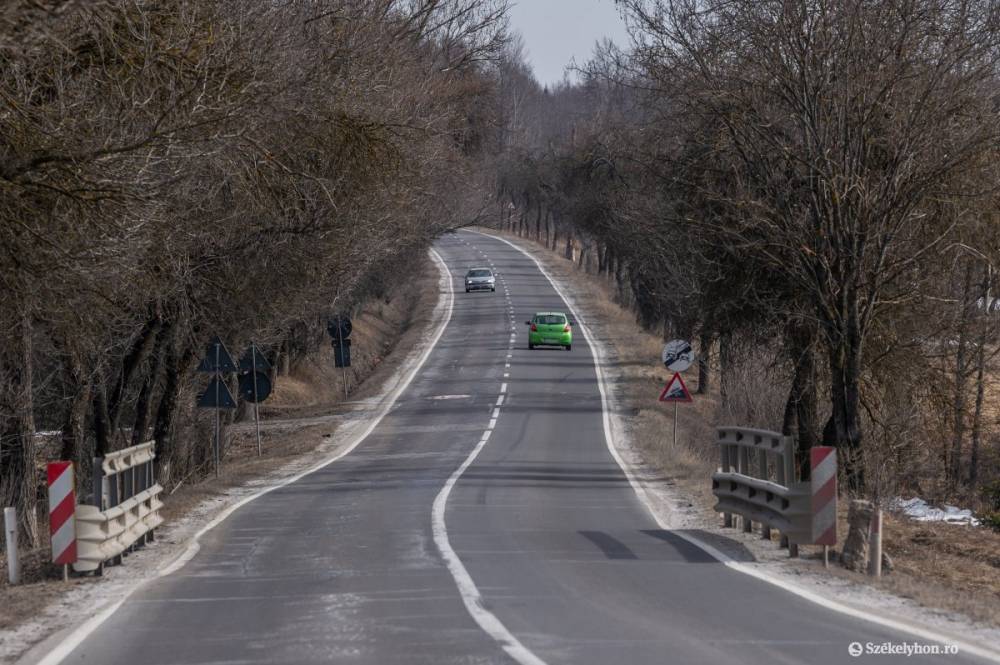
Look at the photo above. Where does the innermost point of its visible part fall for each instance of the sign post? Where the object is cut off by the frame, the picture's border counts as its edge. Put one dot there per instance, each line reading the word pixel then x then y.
pixel 255 386
pixel 677 356
pixel 340 328
pixel 217 361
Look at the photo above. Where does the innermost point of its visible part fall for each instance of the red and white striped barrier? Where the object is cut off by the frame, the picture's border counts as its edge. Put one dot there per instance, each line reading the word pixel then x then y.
pixel 823 479
pixel 62 506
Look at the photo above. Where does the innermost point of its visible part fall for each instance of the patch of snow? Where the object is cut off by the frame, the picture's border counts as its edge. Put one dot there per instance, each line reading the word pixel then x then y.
pixel 921 511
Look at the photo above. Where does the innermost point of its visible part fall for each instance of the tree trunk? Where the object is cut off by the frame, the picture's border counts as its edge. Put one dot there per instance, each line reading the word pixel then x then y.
pixel 725 366
pixel 801 339
pixel 74 427
pixel 704 362
pixel 102 422
pixel 845 373
pixel 18 477
pixel 538 224
pixel 145 401
pixel 954 460
pixel 164 430
pixel 142 347
pixel 977 418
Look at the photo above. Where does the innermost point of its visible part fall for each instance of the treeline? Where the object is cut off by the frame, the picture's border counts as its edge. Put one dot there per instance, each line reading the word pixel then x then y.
pixel 810 188
pixel 175 170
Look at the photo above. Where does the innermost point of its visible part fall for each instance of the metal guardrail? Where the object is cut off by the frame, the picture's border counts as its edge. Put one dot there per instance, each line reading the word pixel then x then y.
pixel 756 480
pixel 126 508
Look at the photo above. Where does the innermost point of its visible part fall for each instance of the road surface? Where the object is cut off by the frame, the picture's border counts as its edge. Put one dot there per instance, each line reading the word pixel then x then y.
pixel 483 521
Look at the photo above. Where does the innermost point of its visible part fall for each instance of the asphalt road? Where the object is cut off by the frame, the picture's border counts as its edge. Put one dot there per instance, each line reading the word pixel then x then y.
pixel 540 551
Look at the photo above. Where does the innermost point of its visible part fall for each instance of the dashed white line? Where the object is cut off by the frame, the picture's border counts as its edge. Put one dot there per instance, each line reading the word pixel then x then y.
pixel 493 423
pixel 503 387
pixel 500 400
pixel 496 413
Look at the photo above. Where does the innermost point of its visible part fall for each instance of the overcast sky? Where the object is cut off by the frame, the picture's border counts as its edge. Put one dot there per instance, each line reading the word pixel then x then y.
pixel 556 31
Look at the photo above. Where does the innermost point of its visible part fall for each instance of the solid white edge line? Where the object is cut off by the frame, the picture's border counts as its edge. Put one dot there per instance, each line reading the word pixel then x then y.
pixel 723 558
pixel 73 640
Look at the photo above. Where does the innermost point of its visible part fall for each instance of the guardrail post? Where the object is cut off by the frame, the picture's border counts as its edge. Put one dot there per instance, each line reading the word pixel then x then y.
pixel 151 477
pixel 743 467
pixel 98 484
pixel 10 537
pixel 765 529
pixel 788 459
pixel 114 498
pixel 724 466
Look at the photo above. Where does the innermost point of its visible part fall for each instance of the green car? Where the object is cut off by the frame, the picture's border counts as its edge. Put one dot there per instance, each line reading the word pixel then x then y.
pixel 550 329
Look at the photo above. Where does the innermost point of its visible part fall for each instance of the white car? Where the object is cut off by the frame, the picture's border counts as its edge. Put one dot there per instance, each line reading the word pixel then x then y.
pixel 480 279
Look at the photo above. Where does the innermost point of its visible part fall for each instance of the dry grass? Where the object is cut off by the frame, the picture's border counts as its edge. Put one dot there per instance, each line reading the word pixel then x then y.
pixel 938 565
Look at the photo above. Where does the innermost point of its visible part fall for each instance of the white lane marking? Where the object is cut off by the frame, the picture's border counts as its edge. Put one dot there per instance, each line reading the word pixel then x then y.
pixel 467 588
pixel 506 365
pixel 725 559
pixel 73 640
pixel 503 387
pixel 506 375
pixel 486 435
pixel 493 423
pixel 500 400
pixel 496 412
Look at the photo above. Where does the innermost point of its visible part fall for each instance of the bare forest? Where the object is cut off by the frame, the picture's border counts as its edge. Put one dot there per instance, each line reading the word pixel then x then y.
pixel 808 191
pixel 172 171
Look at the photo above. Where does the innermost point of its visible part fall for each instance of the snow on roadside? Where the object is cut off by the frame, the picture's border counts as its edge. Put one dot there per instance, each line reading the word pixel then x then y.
pixel 921 511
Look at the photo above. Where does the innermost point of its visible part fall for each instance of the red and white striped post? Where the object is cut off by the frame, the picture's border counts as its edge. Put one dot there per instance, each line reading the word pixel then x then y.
pixel 62 507
pixel 823 478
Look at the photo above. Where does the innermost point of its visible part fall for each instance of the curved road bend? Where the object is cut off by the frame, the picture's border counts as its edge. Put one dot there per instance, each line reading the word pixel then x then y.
pixel 342 566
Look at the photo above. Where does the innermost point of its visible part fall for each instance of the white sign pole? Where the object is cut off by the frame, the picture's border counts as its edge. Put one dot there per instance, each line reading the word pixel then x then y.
pixel 675 425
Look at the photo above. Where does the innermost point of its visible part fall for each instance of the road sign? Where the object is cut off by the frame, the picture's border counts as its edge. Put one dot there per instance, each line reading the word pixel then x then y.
pixel 339 326
pixel 342 353
pixel 254 361
pixel 252 393
pixel 62 516
pixel 677 355
pixel 217 358
pixel 675 391
pixel 217 395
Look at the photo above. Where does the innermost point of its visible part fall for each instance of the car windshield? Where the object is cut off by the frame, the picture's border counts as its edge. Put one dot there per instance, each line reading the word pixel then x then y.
pixel 479 273
pixel 550 319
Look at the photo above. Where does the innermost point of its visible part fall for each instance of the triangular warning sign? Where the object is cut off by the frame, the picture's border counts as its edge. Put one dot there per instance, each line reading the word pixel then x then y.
pixel 217 395
pixel 675 391
pixel 217 358
pixel 254 360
